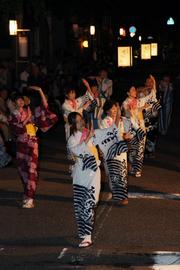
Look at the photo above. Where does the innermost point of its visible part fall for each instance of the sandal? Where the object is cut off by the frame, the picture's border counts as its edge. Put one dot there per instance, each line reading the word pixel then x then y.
pixel 138 174
pixel 85 243
pixel 123 202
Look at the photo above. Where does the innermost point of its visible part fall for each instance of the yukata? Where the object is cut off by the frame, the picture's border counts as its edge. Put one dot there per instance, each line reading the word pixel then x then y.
pixel 93 113
pixel 114 151
pixel 27 144
pixel 136 145
pixel 151 119
pixel 106 87
pixel 73 106
pixel 86 181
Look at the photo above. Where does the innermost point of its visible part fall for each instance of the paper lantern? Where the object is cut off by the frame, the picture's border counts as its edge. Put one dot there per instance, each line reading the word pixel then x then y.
pixel 125 56
pixel 145 51
pixel 154 49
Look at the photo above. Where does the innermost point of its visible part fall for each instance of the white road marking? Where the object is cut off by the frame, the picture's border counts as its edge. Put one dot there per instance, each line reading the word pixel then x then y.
pixel 64 250
pixel 167 252
pixel 159 195
pixel 165 259
pixel 166 267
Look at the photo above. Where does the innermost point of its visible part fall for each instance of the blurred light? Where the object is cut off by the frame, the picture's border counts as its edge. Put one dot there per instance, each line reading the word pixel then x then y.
pixel 170 21
pixel 125 56
pixel 75 27
pixel 85 44
pixel 145 51
pixel 13 27
pixel 132 29
pixel 92 30
pixel 122 32
pixel 140 38
pixel 149 37
pixel 23 46
pixel 132 34
pixel 154 49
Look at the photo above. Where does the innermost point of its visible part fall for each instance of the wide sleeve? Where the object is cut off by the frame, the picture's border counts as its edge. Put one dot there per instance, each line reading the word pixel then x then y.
pixel 82 100
pixel 16 123
pixel 44 118
pixel 80 150
pixel 67 109
pixel 76 147
pixel 106 122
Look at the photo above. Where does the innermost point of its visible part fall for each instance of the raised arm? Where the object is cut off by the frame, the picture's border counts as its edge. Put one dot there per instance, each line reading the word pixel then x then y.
pixel 118 114
pixel 88 87
pixel 43 97
pixel 153 81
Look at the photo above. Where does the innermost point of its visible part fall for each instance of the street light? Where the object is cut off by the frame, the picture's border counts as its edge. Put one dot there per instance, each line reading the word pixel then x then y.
pixel 93 49
pixel 92 30
pixel 21 42
pixel 85 43
pixel 13 27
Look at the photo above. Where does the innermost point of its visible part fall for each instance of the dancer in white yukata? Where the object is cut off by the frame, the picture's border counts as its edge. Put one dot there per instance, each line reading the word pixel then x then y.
pixel 86 176
pixel 73 104
pixel 116 165
pixel 151 114
pixel 132 110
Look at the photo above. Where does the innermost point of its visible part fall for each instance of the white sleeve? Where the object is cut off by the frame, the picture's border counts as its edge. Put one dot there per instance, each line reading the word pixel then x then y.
pixel 127 124
pixel 97 136
pixel 103 123
pixel 82 100
pixel 67 109
pixel 76 147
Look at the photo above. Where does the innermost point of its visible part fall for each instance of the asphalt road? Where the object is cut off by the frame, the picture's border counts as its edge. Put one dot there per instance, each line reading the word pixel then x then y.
pixel 130 237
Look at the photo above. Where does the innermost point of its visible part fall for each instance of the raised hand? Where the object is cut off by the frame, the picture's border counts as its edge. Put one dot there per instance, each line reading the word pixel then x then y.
pixel 85 83
pixel 34 87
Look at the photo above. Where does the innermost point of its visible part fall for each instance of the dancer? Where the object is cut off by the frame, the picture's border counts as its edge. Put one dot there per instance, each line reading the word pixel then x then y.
pixel 86 176
pixel 24 122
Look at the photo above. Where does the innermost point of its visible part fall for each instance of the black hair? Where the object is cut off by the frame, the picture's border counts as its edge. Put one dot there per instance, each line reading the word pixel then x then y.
pixel 108 105
pixel 72 121
pixel 34 96
pixel 16 96
pixel 92 82
pixel 69 88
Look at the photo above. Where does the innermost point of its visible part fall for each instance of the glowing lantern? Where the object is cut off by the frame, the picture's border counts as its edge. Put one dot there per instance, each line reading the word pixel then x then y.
pixel 154 49
pixel 13 27
pixel 92 30
pixel 145 51
pixel 85 44
pixel 125 56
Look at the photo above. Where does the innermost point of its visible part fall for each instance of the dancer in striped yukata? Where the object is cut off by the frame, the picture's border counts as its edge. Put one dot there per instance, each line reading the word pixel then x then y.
pixel 111 141
pixel 133 111
pixel 86 176
pixel 24 123
pixel 151 115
